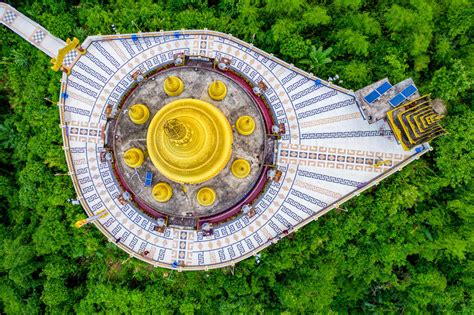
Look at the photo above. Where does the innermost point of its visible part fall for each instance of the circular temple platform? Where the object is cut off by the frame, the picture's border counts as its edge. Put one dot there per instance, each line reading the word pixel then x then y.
pixel 311 148
pixel 230 190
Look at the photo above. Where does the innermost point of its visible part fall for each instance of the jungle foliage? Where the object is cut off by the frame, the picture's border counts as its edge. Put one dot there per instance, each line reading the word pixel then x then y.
pixel 406 246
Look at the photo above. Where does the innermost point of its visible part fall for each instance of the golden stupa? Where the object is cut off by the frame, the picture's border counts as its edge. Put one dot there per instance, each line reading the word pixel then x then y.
pixel 217 90
pixel 240 168
pixel 173 86
pixel 245 125
pixel 139 114
pixel 134 157
pixel 162 192
pixel 189 141
pixel 206 196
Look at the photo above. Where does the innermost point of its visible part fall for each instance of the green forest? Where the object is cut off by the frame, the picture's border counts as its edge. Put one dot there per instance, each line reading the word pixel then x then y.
pixel 405 246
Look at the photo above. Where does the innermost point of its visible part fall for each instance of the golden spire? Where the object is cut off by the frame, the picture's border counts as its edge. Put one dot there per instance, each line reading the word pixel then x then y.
pixel 177 132
pixel 206 196
pixel 240 168
pixel 245 125
pixel 162 192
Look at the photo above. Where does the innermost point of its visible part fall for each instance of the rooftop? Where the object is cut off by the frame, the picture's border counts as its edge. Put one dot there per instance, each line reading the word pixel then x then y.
pixel 380 97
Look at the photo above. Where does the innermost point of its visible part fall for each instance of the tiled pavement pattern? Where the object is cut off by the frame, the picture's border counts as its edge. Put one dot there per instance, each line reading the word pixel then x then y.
pixel 327 155
pixel 29 30
pixel 338 158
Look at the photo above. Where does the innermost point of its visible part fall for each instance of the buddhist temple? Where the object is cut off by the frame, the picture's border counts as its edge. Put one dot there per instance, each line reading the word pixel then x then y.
pixel 202 150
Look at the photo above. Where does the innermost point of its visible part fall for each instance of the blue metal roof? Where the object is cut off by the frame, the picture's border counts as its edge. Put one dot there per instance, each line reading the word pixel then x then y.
pixel 148 179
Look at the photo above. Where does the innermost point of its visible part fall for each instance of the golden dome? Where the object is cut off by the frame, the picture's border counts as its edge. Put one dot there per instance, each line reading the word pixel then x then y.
pixel 245 125
pixel 217 90
pixel 134 157
pixel 240 168
pixel 162 192
pixel 189 141
pixel 206 196
pixel 173 86
pixel 139 114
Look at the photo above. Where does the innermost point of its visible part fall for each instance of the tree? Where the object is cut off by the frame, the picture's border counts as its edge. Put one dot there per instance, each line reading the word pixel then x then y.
pixel 451 83
pixel 351 42
pixel 317 58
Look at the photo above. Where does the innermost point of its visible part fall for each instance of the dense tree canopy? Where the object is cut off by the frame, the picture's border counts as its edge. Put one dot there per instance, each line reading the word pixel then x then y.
pixel 405 246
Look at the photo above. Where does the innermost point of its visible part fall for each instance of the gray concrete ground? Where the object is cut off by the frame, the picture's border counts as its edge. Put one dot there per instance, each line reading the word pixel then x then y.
pixel 229 189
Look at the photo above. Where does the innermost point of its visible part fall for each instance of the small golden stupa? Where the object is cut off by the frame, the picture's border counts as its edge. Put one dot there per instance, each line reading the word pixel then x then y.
pixel 162 192
pixel 245 125
pixel 134 157
pixel 139 114
pixel 240 168
pixel 217 90
pixel 206 196
pixel 173 86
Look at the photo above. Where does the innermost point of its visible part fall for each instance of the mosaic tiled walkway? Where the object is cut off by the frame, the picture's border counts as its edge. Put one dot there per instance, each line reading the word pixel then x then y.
pixel 328 154
pixel 30 31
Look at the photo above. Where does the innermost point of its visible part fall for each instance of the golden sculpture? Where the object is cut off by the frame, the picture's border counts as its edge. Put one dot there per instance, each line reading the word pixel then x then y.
pixel 217 90
pixel 240 168
pixel 162 192
pixel 189 141
pixel 138 114
pixel 206 196
pixel 173 86
pixel 245 125
pixel 134 157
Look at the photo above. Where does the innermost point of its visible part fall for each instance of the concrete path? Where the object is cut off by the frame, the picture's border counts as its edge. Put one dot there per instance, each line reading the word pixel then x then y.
pixel 31 31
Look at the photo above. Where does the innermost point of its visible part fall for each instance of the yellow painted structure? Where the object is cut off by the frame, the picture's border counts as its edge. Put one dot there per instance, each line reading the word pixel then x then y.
pixel 217 90
pixel 81 223
pixel 134 157
pixel 70 46
pixel 415 122
pixel 162 192
pixel 386 162
pixel 240 168
pixel 206 196
pixel 173 86
pixel 245 125
pixel 189 141
pixel 101 214
pixel 139 113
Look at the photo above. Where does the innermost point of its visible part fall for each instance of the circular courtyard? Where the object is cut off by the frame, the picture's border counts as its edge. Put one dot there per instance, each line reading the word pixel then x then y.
pixel 190 142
